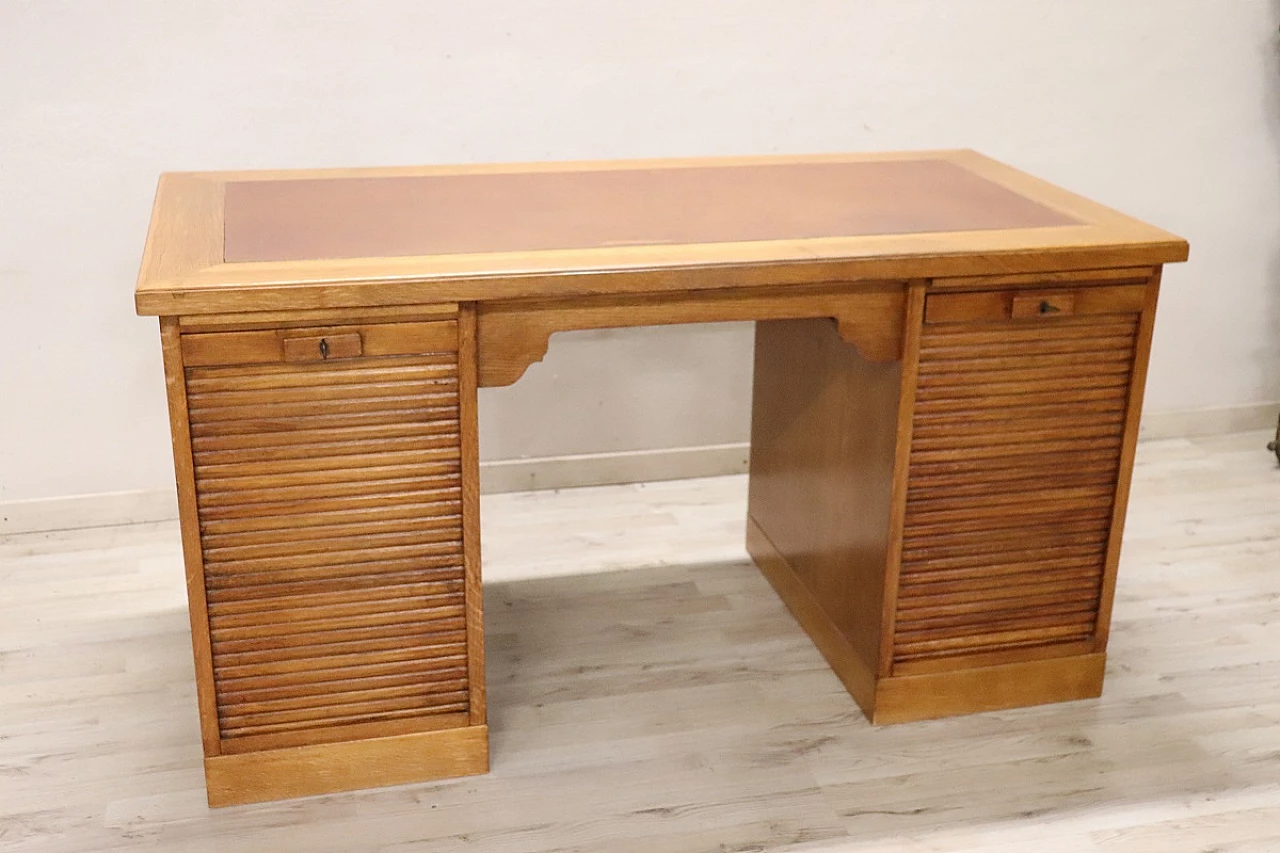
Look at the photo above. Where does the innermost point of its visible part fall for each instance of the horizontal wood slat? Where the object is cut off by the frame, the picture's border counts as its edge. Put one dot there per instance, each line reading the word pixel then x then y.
pixel 398 605
pixel 1009 467
pixel 1016 439
pixel 435 381
pixel 305 452
pixel 361 717
pixel 338 643
pixel 263 499
pixel 329 500
pixel 254 689
pixel 989 345
pixel 241 378
pixel 303 440
pixel 961 405
pixel 254 716
pixel 997 578
pixel 430 568
pixel 304 500
pixel 280 632
pixel 364 690
pixel 420 517
pixel 338 598
pixel 269 591
pixel 1046 369
pixel 304 558
pixel 406 534
pixel 340 660
pixel 261 428
pixel 375 402
pixel 980 565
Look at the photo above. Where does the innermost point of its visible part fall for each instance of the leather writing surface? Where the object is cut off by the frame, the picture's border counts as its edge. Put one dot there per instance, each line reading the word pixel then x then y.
pixel 326 218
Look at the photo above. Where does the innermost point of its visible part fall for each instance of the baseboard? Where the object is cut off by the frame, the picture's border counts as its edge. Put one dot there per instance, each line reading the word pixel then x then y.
pixel 603 469
pixel 74 511
pixel 563 472
pixel 1194 423
pixel 504 475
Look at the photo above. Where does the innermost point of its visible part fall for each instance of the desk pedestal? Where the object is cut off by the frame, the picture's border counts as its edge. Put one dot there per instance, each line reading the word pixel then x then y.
pixel 948 529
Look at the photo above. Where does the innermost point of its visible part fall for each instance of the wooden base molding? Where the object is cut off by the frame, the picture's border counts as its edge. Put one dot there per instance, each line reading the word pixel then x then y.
pixel 305 771
pixel 515 334
pixel 907 698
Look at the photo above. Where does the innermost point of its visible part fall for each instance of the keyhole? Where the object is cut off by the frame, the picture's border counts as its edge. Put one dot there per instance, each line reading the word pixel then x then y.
pixel 324 348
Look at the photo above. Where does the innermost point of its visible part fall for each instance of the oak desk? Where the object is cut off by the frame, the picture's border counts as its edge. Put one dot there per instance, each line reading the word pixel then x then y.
pixel 949 365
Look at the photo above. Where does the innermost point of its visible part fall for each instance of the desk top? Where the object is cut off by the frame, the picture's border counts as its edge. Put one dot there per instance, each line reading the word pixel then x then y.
pixel 236 241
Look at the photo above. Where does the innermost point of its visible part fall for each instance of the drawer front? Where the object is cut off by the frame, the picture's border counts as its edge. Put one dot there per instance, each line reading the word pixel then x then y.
pixel 328 493
pixel 1015 455
pixel 320 343
pixel 1032 305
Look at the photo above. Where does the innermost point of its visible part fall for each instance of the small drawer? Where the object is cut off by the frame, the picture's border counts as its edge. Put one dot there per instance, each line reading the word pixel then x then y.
pixel 317 344
pixel 1029 305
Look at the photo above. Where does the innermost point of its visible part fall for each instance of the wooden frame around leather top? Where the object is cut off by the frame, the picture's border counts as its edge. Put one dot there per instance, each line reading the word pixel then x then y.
pixel 1012 231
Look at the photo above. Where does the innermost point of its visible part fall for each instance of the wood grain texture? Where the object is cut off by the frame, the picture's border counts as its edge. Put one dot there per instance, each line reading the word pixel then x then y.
pixel 316 317
pixel 913 324
pixel 908 698
pixel 1000 305
pixel 1016 455
pixel 273 346
pixel 304 771
pixel 331 618
pixel 823 440
pixel 348 733
pixel 514 335
pixel 185 231
pixel 1133 416
pixel 193 555
pixel 189 210
pixel 469 441
pixel 1124 275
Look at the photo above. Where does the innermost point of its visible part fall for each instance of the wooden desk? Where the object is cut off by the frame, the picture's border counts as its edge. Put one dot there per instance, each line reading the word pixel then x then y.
pixel 949 365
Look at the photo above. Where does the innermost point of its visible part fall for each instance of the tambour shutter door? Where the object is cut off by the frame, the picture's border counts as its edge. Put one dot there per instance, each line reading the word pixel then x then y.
pixel 327 472
pixel 1015 455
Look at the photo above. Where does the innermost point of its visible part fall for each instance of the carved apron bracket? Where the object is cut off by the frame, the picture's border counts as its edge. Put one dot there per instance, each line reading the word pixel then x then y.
pixel 514 335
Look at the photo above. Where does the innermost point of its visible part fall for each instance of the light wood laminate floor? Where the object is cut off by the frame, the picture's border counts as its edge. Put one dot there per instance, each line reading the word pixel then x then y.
pixel 675 706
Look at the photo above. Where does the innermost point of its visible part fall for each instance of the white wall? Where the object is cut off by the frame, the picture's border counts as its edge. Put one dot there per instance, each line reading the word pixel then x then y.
pixel 1166 109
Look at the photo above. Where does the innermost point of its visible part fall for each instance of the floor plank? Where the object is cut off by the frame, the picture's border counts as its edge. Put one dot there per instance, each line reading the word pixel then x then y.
pixel 648 692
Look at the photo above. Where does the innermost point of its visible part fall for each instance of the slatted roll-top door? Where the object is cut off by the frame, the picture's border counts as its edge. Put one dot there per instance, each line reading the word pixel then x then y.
pixel 1015 455
pixel 327 467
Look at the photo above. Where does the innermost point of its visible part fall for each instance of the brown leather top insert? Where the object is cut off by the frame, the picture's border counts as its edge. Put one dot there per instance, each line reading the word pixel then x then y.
pixel 314 219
